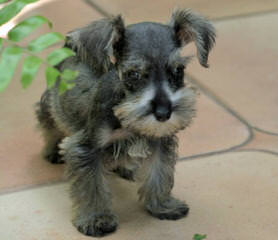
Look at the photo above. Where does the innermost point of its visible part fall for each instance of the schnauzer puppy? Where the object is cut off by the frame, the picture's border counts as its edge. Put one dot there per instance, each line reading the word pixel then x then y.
pixel 128 102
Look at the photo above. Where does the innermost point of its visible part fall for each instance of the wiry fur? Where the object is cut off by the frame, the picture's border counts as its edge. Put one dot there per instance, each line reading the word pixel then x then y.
pixel 131 111
pixel 128 103
pixel 192 27
pixel 95 43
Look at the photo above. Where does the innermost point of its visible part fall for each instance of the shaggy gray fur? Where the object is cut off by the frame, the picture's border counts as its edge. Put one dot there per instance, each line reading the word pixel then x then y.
pixel 128 103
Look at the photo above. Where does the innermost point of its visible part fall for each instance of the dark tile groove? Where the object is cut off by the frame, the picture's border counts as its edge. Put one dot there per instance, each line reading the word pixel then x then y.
pixel 214 19
pixel 226 107
pixel 244 15
pixel 208 92
pixel 98 8
pixel 265 131
pixel 32 186
pixel 207 154
pixel 257 150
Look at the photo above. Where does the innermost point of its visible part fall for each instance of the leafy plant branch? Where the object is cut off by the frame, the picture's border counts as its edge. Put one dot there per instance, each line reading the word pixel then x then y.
pixel 199 237
pixel 12 52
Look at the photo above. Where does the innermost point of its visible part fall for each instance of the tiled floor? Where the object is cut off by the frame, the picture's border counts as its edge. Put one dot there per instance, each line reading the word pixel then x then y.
pixel 228 171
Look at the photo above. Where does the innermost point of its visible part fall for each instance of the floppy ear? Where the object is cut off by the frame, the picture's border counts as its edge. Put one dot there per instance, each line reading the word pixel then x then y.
pixel 99 44
pixel 190 27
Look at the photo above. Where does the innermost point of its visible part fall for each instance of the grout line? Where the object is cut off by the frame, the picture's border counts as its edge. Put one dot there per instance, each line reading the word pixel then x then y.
pixel 97 8
pixel 226 107
pixel 219 101
pixel 209 93
pixel 207 154
pixel 265 131
pixel 54 183
pixel 29 187
pixel 257 150
pixel 243 15
pixel 216 19
pixel 227 151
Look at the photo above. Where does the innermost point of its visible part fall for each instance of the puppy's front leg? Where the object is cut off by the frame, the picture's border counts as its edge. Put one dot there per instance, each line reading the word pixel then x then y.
pixel 89 192
pixel 156 190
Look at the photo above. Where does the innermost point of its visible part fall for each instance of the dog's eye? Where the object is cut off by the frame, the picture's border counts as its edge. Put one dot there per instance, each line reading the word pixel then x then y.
pixel 176 76
pixel 133 75
pixel 179 70
pixel 132 80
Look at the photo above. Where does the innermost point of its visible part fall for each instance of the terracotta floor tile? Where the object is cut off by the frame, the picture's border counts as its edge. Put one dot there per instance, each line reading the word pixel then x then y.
pixel 231 196
pixel 20 143
pixel 145 10
pixel 263 141
pixel 244 70
pixel 214 129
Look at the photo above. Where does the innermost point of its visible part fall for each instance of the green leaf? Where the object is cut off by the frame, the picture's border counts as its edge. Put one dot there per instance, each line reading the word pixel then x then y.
pixel 45 41
pixel 8 63
pixel 1 41
pixel 67 82
pixel 64 86
pixel 30 68
pixel 51 76
pixel 59 55
pixel 199 237
pixel 27 26
pixel 3 1
pixel 69 75
pixel 28 1
pixel 12 9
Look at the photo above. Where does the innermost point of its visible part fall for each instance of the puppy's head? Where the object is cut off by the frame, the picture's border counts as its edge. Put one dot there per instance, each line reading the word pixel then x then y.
pixel 157 102
pixel 151 70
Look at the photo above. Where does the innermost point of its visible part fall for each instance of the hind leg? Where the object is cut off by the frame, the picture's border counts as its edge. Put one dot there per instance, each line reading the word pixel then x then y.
pixel 52 135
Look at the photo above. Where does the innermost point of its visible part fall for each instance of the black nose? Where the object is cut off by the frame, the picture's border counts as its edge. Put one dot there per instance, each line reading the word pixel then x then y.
pixel 161 106
pixel 162 112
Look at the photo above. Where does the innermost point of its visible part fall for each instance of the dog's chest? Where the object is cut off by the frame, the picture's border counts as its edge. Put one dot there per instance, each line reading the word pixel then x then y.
pixel 124 144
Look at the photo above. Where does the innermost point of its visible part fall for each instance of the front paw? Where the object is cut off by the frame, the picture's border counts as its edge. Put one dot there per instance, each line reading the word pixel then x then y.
pixel 96 225
pixel 171 209
pixel 53 156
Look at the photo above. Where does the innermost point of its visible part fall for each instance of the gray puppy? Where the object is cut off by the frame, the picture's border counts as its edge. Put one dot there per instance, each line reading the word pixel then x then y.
pixel 128 103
